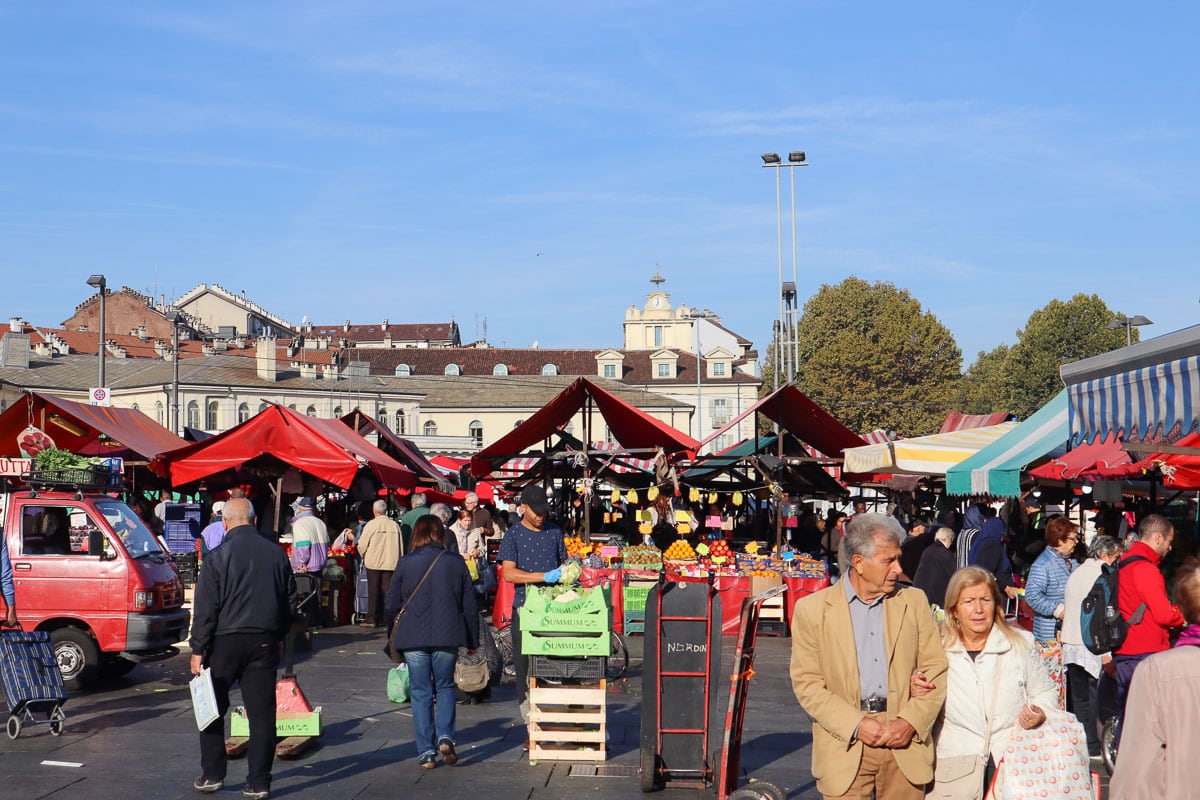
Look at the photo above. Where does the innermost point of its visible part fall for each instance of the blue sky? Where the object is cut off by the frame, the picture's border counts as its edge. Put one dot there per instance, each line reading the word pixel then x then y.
pixel 361 160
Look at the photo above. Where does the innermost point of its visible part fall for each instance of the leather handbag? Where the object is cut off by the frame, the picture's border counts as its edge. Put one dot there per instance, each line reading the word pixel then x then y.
pixel 398 655
pixel 471 672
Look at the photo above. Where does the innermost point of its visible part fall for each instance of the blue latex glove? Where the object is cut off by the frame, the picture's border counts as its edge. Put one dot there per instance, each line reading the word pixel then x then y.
pixel 552 576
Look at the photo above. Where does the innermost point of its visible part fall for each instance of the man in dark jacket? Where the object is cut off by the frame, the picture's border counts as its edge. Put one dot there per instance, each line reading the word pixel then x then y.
pixel 989 552
pixel 937 565
pixel 244 604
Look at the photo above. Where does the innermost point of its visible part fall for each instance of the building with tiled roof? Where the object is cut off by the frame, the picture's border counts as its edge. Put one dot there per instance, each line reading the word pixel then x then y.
pixel 384 335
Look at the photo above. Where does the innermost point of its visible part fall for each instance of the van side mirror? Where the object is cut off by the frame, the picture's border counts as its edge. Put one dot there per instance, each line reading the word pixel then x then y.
pixel 96 542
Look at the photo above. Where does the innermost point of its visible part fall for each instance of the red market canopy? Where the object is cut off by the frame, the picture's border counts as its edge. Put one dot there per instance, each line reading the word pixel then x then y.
pixel 1179 470
pixel 957 421
pixel 324 448
pixel 1103 459
pixel 399 448
pixel 85 429
pixel 803 418
pixel 632 427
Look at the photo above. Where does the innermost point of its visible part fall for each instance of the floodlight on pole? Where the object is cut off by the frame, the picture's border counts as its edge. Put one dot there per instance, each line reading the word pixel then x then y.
pixel 174 317
pixel 1128 323
pixel 788 345
pixel 98 282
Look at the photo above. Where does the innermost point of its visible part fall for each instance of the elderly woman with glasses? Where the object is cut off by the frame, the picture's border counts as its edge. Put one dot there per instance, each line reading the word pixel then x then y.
pixel 1046 588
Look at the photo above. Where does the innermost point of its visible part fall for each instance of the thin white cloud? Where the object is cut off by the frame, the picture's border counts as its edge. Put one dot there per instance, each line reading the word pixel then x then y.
pixel 165 159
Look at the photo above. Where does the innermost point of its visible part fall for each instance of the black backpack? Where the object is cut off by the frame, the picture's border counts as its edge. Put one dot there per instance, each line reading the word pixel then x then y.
pixel 1100 621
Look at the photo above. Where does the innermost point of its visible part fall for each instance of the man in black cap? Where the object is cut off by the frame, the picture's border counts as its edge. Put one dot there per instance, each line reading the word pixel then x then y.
pixel 532 552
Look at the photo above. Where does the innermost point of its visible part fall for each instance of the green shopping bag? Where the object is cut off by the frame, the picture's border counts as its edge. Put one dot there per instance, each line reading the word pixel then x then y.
pixel 398 683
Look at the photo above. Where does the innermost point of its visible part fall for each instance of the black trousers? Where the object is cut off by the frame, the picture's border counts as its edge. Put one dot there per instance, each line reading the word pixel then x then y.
pixel 250 660
pixel 520 662
pixel 1084 701
pixel 378 581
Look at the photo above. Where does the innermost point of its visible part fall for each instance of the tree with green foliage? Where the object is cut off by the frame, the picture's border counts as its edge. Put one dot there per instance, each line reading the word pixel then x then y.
pixel 980 384
pixel 1055 334
pixel 874 358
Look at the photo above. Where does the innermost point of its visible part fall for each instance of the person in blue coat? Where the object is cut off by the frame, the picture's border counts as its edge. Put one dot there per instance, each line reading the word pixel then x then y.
pixel 1047 583
pixel 440 616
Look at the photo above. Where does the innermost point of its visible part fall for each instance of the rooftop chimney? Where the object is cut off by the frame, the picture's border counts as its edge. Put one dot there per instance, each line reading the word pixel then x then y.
pixel 16 325
pixel 266 360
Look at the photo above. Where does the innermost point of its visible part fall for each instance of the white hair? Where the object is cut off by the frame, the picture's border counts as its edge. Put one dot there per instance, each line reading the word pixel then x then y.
pixel 419 500
pixel 442 511
pixel 379 506
pixel 945 536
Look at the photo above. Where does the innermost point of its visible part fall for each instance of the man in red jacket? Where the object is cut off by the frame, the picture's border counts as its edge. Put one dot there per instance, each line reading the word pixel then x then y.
pixel 1142 599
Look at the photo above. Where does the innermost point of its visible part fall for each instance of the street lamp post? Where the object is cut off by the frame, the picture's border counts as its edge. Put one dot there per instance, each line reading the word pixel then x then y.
pixel 98 282
pixel 173 317
pixel 1128 323
pixel 789 353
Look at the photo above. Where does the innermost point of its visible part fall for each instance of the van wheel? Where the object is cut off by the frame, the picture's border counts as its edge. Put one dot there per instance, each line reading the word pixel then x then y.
pixel 78 657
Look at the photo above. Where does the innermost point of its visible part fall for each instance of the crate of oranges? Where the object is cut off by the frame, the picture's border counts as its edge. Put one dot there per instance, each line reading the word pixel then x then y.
pixel 680 551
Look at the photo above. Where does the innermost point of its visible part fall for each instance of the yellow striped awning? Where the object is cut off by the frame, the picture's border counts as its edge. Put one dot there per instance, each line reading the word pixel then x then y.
pixel 923 455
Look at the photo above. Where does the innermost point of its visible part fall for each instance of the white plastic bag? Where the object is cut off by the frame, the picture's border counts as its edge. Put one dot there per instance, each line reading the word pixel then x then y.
pixel 204 699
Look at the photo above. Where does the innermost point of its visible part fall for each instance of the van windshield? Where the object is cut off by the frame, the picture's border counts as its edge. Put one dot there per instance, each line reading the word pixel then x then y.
pixel 136 537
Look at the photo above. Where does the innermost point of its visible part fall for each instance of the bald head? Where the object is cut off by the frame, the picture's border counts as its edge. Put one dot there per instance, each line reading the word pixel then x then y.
pixel 238 511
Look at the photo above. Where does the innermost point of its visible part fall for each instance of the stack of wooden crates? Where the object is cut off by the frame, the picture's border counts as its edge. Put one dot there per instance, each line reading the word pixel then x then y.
pixel 567 644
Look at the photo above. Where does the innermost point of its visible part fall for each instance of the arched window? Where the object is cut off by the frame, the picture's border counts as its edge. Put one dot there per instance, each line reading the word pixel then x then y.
pixel 549 369
pixel 475 431
pixel 430 428
pixel 400 421
pixel 337 412
pixel 159 415
pixel 134 407
pixel 291 406
pixel 243 412
pixel 518 423
pixel 500 369
pixel 193 414
pixel 210 417
pixel 452 369
pixel 382 416
pixel 262 407
pixel 403 370
pixel 311 411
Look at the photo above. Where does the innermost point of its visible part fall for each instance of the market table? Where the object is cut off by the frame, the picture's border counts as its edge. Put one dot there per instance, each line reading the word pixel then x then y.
pixel 798 587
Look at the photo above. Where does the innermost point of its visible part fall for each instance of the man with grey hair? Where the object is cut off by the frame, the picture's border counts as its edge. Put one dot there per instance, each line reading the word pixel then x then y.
pixel 855 645
pixel 936 567
pixel 480 516
pixel 1084 666
pixel 380 545
pixel 410 518
pixel 443 512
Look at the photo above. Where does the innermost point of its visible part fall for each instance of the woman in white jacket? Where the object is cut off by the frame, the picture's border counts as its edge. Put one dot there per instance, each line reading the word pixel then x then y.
pixel 996 682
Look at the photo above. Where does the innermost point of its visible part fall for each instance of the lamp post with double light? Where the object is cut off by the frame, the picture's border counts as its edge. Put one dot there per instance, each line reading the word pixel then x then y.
pixel 1128 323
pixel 789 353
pixel 98 282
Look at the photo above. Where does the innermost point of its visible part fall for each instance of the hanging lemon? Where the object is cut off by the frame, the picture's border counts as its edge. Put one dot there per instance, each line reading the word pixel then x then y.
pixel 712 498
pixel 616 496
pixel 737 498
pixel 631 496
pixel 694 495
pixel 652 493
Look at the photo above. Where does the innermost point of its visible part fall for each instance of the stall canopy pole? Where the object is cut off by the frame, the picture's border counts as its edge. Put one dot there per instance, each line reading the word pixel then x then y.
pixel 778 499
pixel 277 490
pixel 587 468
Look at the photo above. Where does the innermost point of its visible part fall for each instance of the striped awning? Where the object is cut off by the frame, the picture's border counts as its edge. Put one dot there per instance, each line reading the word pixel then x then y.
pixel 621 461
pixel 1137 392
pixel 923 455
pixel 996 469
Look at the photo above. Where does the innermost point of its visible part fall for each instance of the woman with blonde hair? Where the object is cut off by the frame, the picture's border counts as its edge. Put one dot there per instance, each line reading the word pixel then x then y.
pixel 996 682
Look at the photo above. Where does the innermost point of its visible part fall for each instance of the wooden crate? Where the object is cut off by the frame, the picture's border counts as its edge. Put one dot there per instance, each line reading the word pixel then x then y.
pixel 567 723
pixel 772 609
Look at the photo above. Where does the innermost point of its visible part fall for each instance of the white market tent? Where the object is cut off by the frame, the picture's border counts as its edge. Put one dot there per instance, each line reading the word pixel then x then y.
pixel 923 455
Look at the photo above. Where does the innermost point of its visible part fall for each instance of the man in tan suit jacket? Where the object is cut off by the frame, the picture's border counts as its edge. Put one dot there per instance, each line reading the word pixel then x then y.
pixel 855 647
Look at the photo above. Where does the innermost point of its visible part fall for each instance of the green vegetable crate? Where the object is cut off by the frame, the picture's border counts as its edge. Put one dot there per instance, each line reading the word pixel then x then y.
pixel 578 627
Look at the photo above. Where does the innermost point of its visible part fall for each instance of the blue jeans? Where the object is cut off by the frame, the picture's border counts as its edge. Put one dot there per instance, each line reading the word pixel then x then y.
pixel 431 673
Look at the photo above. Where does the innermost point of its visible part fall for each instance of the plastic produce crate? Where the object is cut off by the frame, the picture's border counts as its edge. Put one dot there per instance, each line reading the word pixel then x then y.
pixel 582 668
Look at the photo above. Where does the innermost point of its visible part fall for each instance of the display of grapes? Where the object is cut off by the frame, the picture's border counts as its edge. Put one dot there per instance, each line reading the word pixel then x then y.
pixel 641 555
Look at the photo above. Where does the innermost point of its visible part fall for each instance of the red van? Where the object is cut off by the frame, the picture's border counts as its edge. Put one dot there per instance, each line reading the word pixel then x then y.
pixel 91 574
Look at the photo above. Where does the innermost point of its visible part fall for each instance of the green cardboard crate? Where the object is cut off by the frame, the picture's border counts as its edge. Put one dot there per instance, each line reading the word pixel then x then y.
pixel 590 603
pixel 534 643
pixel 559 622
pixel 286 723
